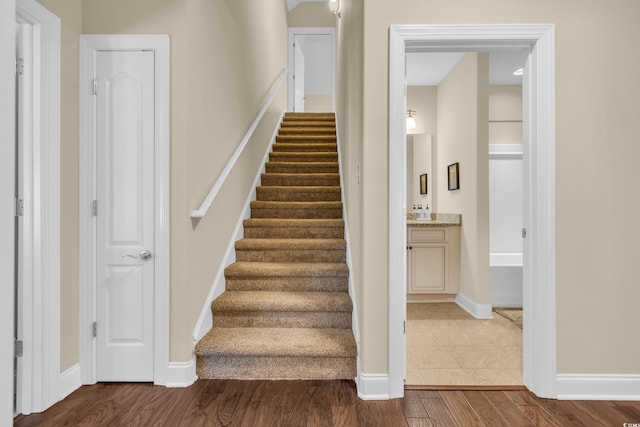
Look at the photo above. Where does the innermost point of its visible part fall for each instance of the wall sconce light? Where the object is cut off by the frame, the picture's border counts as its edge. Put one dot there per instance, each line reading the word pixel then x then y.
pixel 335 7
pixel 411 122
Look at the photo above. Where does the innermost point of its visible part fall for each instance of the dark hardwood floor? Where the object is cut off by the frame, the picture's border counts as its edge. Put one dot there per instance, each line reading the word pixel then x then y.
pixel 318 403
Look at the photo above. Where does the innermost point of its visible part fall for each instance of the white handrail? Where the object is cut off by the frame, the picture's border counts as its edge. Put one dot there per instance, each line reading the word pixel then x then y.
pixel 213 192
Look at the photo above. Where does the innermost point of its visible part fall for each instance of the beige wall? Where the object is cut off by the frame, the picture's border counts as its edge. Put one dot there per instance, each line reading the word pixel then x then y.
pixel 505 114
pixel 424 101
pixel 349 98
pixel 597 130
pixel 463 113
pixel 215 94
pixel 311 14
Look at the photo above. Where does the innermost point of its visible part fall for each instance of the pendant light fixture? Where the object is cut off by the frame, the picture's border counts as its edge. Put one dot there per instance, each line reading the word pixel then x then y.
pixel 411 122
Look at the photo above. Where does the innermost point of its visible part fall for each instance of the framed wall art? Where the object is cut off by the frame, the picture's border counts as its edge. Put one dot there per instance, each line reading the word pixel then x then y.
pixel 454 176
pixel 423 183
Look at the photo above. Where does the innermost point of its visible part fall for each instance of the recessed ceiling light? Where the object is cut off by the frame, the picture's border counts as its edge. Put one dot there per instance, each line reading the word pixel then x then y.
pixel 518 72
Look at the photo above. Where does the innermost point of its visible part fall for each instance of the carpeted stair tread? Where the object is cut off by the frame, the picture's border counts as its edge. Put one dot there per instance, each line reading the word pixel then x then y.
pixel 294 223
pixel 278 342
pixel 302 167
pixel 294 205
pixel 287 277
pixel 283 301
pixel 300 179
pixel 314 147
pixel 304 130
pixel 306 138
pixel 304 123
pixel 279 270
pixel 287 156
pixel 294 193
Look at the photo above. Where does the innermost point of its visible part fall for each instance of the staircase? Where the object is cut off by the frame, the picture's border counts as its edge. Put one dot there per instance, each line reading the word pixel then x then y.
pixel 286 311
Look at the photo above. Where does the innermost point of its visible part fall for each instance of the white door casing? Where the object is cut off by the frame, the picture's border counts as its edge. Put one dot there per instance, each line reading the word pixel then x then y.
pixel 39 175
pixel 125 216
pixel 539 276
pixel 122 228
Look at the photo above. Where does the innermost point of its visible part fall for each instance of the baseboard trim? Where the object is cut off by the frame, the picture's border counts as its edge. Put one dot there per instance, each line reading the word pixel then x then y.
pixel 479 311
pixel 70 381
pixel 598 387
pixel 373 386
pixel 181 374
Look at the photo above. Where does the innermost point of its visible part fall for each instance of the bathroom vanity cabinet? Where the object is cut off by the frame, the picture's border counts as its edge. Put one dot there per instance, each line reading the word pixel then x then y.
pixel 433 258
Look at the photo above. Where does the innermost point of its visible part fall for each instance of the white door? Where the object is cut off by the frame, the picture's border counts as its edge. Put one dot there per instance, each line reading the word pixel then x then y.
pixel 298 75
pixel 125 215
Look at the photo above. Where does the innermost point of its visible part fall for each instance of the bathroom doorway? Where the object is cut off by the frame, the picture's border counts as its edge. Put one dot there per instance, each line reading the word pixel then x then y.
pixel 539 369
pixel 441 335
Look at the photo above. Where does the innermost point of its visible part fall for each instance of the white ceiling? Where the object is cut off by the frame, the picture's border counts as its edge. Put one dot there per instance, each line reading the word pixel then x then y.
pixel 291 4
pixel 429 68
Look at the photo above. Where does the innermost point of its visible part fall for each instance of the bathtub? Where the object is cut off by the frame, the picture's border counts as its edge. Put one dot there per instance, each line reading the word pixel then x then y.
pixel 505 272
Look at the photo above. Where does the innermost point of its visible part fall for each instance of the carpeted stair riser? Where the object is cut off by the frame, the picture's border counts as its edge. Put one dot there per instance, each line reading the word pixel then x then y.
pixel 298 147
pixel 291 250
pixel 291 319
pixel 308 130
pixel 238 309
pixel 301 167
pixel 277 368
pixel 286 124
pixel 290 255
pixel 296 210
pixel 289 284
pixel 287 277
pixel 299 193
pixel 305 139
pixel 288 228
pixel 285 156
pixel 300 179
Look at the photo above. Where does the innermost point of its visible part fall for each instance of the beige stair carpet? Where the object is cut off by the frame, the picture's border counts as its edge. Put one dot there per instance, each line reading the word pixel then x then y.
pixel 286 311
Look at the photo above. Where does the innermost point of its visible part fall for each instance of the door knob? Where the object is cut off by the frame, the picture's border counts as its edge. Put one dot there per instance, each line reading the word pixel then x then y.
pixel 144 255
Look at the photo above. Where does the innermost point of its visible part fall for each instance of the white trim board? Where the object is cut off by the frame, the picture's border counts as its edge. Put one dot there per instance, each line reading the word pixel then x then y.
pixel 39 269
pixel 7 182
pixel 70 381
pixel 89 44
pixel 477 310
pixel 539 350
pixel 598 387
pixel 373 386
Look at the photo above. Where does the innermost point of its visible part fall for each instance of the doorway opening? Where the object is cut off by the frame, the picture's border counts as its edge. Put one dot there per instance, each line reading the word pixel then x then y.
pixel 441 335
pixel 539 350
pixel 311 78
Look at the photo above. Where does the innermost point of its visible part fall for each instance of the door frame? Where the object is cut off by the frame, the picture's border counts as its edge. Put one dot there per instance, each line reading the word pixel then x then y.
pixel 89 44
pixel 39 312
pixel 539 337
pixel 320 31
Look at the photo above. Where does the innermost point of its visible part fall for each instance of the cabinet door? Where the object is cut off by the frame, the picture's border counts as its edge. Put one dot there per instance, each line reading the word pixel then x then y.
pixel 428 268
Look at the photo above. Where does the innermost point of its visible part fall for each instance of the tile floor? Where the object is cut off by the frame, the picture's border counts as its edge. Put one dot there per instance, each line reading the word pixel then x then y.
pixel 448 346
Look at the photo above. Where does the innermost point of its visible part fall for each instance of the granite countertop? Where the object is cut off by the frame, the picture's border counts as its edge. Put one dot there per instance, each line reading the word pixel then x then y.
pixel 437 220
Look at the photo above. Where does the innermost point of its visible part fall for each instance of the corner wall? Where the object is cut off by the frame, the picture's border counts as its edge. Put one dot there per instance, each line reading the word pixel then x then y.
pixel 463 114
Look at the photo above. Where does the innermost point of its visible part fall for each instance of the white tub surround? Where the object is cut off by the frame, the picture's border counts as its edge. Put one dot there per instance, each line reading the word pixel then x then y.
pixel 505 224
